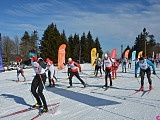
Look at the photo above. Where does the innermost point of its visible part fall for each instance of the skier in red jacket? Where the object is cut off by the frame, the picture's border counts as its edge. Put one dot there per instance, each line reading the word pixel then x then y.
pixel 74 68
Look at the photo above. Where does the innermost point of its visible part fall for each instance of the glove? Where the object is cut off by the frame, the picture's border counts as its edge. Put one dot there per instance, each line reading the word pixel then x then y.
pixel 154 72
pixel 136 75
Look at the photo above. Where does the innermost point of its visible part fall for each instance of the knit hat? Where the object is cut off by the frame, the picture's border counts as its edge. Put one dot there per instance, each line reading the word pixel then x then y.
pixel 34 58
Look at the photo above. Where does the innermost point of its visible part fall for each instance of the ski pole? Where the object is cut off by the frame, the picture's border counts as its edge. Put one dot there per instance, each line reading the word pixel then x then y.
pixel 157 76
pixel 54 76
pixel 66 71
pixel 43 84
pixel 137 80
pixel 31 92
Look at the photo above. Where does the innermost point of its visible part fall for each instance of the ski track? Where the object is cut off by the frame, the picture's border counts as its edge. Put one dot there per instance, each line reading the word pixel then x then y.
pixel 139 106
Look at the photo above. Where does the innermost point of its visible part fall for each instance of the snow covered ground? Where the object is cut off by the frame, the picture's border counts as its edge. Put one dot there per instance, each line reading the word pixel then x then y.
pixel 91 103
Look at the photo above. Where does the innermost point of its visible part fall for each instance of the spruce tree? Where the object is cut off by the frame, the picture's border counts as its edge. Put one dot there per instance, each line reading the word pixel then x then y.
pixel 50 43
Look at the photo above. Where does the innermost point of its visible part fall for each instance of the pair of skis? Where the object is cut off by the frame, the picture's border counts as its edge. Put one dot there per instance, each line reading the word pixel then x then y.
pixel 70 88
pixel 103 87
pixel 55 105
pixel 52 110
pixel 147 91
pixel 144 91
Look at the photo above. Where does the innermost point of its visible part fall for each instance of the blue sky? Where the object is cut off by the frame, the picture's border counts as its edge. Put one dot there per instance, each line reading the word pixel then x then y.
pixel 114 22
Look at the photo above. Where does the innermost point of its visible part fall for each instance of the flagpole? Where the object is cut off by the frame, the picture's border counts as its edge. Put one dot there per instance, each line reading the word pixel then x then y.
pixel 121 50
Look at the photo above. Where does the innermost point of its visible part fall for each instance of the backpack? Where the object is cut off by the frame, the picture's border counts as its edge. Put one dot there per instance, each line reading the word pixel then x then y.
pixel 42 63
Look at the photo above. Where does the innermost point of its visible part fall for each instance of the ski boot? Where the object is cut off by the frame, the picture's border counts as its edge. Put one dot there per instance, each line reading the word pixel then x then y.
pixel 36 105
pixel 141 88
pixel 150 87
pixel 44 110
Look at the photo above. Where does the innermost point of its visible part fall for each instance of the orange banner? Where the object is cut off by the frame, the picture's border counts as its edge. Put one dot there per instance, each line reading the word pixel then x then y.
pixel 157 55
pixel 61 56
pixel 126 54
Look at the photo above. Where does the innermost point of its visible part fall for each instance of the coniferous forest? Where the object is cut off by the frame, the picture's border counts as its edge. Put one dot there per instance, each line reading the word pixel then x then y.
pixel 78 47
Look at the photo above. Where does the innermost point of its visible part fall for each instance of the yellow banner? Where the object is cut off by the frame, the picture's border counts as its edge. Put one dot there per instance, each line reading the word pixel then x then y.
pixel 140 54
pixel 93 55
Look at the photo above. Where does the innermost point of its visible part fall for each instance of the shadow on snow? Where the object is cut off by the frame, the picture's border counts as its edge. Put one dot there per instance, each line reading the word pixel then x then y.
pixel 17 99
pixel 83 98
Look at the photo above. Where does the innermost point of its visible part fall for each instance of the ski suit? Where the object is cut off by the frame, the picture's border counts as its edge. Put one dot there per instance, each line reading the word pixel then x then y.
pixel 37 86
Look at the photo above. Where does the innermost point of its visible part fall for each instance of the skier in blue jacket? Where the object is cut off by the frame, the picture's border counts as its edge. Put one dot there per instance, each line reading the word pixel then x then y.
pixel 144 65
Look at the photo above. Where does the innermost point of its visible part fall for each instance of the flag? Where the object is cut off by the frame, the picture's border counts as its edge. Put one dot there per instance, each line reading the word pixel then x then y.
pixel 126 54
pixel 134 56
pixel 113 54
pixel 1 61
pixel 93 55
pixel 153 54
pixel 140 54
pixel 157 55
pixel 61 56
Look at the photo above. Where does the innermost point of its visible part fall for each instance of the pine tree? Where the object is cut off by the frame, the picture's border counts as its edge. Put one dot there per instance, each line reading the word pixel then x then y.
pixel 90 45
pixel 64 41
pixel 144 42
pixel 25 45
pixel 76 47
pixel 98 46
pixel 70 46
pixel 84 46
pixel 50 43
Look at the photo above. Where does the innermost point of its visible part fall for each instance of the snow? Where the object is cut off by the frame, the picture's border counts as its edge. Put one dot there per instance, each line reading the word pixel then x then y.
pixel 77 103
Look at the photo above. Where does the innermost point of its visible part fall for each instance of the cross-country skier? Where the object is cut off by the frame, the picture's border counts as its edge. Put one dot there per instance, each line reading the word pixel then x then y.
pixel 38 83
pixel 98 64
pixel 20 69
pixel 129 64
pixel 95 66
pixel 114 68
pixel 50 72
pixel 68 70
pixel 144 65
pixel 74 67
pixel 124 63
pixel 107 65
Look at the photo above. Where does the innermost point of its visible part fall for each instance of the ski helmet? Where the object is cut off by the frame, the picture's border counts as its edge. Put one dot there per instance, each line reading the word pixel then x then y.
pixel 105 55
pixel 69 59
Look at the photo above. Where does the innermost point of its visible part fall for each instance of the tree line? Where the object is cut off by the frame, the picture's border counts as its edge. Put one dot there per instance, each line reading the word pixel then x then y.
pixel 77 47
pixel 144 42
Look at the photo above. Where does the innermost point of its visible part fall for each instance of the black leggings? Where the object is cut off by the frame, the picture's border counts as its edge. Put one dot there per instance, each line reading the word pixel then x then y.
pixel 142 73
pixel 98 68
pixel 108 74
pixel 37 84
pixel 77 75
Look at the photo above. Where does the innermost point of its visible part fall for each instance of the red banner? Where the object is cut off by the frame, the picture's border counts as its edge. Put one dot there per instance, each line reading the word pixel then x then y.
pixel 113 54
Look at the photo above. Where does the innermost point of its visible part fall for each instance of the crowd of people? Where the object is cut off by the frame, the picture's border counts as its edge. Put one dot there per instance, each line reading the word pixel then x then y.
pixel 108 65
